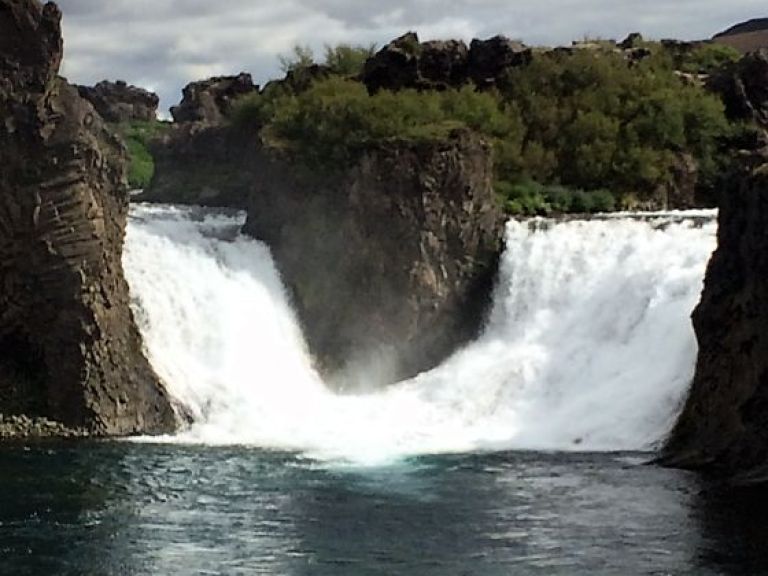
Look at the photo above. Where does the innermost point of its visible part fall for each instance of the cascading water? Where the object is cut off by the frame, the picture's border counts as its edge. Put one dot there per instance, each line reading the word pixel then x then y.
pixel 588 347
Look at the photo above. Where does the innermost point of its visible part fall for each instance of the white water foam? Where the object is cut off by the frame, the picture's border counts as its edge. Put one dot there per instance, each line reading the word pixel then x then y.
pixel 589 345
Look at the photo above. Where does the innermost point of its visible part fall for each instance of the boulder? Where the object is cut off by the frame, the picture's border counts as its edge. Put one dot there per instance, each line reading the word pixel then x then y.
pixel 70 350
pixel 209 101
pixel 488 59
pixel 395 66
pixel 439 65
pixel 119 102
pixel 443 63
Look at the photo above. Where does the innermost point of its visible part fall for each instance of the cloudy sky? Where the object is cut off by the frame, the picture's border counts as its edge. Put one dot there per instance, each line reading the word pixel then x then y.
pixel 163 44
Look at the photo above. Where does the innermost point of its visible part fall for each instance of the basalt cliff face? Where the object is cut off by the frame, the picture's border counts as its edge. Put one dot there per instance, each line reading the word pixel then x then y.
pixel 69 347
pixel 391 262
pixel 724 425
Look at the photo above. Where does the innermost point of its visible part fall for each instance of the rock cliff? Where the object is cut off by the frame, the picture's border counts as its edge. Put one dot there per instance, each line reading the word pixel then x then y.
pixel 119 102
pixel 69 348
pixel 724 425
pixel 391 262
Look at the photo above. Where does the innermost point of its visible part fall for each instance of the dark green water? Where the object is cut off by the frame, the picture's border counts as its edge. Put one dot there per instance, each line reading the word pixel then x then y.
pixel 119 508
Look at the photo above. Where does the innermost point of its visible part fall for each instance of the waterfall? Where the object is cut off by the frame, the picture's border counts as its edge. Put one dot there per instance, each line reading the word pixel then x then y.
pixel 589 344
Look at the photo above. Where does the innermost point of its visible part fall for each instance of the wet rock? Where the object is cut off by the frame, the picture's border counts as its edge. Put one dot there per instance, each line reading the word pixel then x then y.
pixel 120 102
pixel 69 348
pixel 391 261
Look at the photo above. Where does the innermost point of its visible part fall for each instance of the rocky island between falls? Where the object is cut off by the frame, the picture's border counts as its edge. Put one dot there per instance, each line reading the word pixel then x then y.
pixel 406 161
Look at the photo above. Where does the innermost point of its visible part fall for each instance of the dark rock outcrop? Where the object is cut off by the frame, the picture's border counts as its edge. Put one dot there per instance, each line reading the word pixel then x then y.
pixel 724 425
pixel 391 261
pixel 209 101
pixel 395 66
pixel 438 65
pixel 120 102
pixel 489 59
pixel 743 86
pixel 69 348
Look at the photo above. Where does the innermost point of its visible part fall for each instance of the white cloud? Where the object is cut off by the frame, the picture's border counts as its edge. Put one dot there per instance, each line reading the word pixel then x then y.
pixel 165 43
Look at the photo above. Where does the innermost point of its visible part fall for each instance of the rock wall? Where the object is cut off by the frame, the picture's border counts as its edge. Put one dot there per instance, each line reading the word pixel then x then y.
pixel 391 262
pixel 69 347
pixel 724 425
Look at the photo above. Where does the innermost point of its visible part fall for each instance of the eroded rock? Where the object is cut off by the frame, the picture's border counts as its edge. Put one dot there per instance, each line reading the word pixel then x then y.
pixel 121 102
pixel 209 101
pixel 69 348
pixel 390 262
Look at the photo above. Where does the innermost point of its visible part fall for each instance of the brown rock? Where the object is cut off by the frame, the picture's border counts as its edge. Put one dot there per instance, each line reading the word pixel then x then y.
pixel 724 426
pixel 209 101
pixel 392 259
pixel 119 102
pixel 69 347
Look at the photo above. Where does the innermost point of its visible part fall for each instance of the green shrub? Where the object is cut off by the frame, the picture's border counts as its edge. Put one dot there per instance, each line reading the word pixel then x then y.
pixel 336 118
pixel 300 57
pixel 591 126
pixel 136 136
pixel 346 59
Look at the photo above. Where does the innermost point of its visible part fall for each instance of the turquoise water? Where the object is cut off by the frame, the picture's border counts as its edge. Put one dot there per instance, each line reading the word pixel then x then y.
pixel 120 508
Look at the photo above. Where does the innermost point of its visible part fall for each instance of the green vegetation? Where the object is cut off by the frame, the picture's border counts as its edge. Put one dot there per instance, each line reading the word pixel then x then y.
pixel 579 131
pixel 342 59
pixel 136 135
pixel 346 59
pixel 336 118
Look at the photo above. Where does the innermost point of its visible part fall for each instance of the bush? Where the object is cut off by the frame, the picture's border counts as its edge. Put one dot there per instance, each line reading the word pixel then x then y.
pixel 137 135
pixel 336 118
pixel 590 125
pixel 346 59
pixel 592 121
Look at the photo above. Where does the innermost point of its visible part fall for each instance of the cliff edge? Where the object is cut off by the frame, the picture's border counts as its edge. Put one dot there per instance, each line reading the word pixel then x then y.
pixel 69 348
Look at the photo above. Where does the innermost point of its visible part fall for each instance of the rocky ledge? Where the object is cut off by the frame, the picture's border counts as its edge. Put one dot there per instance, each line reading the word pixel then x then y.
pixel 70 351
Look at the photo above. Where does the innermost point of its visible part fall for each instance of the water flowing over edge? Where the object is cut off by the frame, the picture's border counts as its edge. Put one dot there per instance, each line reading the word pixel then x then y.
pixel 589 344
